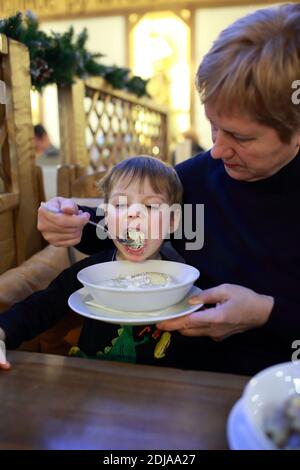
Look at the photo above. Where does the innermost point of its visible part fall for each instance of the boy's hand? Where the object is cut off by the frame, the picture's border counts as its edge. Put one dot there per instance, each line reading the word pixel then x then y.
pixel 4 364
pixel 64 228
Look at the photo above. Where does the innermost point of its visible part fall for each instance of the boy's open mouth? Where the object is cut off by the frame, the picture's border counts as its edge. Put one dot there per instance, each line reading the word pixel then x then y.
pixel 135 251
pixel 134 239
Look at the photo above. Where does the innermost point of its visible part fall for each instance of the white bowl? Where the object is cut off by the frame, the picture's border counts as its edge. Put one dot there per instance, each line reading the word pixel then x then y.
pixel 269 388
pixel 138 299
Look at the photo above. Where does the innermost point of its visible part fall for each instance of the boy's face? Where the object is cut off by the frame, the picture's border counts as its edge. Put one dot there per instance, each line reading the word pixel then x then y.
pixel 137 206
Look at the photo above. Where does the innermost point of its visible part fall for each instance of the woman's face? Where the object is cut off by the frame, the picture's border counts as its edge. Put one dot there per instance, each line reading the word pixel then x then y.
pixel 250 151
pixel 136 206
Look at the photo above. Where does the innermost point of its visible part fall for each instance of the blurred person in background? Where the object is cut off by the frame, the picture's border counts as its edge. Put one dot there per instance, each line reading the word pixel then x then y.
pixel 46 152
pixel 48 158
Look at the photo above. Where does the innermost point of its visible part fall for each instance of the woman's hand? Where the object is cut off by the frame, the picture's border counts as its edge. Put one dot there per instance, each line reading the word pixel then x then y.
pixel 237 309
pixel 63 229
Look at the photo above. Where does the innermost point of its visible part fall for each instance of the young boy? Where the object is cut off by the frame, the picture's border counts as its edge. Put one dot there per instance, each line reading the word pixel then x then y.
pixel 138 192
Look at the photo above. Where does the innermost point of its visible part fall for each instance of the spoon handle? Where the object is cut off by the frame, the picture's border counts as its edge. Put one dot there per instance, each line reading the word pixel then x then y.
pixel 56 211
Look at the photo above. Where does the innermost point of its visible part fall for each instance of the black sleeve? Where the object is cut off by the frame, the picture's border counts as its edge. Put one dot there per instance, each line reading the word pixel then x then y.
pixel 43 309
pixel 284 321
pixel 90 243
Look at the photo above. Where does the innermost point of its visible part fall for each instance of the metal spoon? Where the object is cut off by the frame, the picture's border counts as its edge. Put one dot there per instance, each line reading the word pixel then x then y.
pixel 124 241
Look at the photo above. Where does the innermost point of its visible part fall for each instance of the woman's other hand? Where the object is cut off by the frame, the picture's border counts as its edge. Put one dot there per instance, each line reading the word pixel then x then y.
pixel 237 309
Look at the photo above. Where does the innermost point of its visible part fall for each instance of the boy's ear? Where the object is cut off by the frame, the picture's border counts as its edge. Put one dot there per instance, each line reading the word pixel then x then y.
pixel 175 217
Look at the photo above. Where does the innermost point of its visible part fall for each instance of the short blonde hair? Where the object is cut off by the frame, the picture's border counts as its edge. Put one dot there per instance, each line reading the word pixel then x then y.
pixel 252 66
pixel 162 177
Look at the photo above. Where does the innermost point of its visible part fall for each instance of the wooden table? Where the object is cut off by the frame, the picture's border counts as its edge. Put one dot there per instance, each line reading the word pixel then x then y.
pixel 54 402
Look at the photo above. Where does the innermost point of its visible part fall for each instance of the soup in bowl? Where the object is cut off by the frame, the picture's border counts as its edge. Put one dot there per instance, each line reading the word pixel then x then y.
pixel 146 286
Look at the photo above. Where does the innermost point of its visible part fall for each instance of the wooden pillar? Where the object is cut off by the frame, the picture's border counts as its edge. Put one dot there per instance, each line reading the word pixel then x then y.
pixel 72 124
pixel 21 149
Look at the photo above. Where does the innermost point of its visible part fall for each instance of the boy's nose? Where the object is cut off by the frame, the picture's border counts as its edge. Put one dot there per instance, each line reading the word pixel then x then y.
pixel 134 210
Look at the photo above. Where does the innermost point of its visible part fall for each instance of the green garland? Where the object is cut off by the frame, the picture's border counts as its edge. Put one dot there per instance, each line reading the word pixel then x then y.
pixel 59 58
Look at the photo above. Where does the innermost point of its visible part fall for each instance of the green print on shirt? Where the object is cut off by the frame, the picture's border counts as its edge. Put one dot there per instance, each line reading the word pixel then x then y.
pixel 122 348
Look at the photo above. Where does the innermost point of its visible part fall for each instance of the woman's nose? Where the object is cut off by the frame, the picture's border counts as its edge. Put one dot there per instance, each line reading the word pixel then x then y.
pixel 222 146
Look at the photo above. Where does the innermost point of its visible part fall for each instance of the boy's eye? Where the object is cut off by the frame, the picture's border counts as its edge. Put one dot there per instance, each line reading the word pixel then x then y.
pixel 120 205
pixel 152 206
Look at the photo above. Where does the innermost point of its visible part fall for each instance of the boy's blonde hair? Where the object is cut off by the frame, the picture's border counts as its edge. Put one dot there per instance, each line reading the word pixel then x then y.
pixel 252 66
pixel 162 177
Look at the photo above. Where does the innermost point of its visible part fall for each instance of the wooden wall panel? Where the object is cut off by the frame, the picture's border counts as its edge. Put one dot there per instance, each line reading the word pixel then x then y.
pixel 20 196
pixel 20 137
pixel 7 242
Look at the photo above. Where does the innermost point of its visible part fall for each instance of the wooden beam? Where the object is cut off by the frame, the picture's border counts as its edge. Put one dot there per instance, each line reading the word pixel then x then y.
pixel 3 44
pixel 72 124
pixel 97 83
pixel 58 9
pixel 21 148
pixel 7 242
pixel 8 201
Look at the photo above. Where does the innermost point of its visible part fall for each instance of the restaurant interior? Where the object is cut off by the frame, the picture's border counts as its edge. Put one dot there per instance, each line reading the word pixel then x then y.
pixel 121 82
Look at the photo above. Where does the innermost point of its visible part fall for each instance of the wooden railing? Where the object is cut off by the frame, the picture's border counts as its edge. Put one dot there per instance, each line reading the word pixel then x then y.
pixel 100 126
pixel 19 193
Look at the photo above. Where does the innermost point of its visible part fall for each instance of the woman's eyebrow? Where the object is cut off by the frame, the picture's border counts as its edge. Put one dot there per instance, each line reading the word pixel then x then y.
pixel 229 131
pixel 242 136
pixel 236 133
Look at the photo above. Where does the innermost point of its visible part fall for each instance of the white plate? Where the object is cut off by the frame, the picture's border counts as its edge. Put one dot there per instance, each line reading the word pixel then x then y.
pixel 239 435
pixel 77 302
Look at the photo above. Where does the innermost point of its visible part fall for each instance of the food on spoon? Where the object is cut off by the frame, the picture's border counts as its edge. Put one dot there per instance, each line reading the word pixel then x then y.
pixel 135 239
